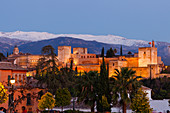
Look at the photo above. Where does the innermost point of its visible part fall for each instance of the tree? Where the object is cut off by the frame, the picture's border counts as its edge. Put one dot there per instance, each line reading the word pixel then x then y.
pixel 3 94
pixel 47 71
pixel 7 54
pixel 2 56
pixel 88 89
pixel 121 52
pixel 129 53
pixel 140 103
pixel 110 53
pixel 125 81
pixel 102 52
pixel 62 97
pixel 103 87
pixel 47 101
pixel 105 104
pixel 160 87
pixel 115 50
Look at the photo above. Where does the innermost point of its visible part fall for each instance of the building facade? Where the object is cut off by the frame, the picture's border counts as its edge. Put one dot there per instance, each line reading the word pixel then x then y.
pixel 22 83
pixel 146 62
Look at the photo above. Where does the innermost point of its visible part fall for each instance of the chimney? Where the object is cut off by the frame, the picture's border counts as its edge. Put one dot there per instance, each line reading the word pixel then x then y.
pixel 153 43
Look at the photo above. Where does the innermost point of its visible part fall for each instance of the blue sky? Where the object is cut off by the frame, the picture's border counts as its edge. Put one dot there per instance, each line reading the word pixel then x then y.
pixel 134 19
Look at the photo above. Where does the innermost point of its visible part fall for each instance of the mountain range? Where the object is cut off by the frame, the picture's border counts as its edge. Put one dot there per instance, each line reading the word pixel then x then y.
pixel 32 42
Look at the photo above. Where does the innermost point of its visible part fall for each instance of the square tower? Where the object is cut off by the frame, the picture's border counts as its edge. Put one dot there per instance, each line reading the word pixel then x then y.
pixel 147 55
pixel 64 53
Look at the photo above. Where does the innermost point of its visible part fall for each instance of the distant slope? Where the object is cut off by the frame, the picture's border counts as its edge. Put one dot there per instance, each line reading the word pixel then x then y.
pixel 4 48
pixel 93 46
pixel 12 42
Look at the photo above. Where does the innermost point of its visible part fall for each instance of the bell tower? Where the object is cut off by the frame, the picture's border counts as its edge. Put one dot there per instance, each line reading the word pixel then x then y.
pixel 16 50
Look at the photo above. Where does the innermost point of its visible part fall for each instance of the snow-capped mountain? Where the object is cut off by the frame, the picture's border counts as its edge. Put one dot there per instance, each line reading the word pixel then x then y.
pixel 109 39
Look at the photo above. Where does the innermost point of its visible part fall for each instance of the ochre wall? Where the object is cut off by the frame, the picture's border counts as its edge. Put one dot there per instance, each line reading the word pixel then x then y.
pixel 132 62
pixel 79 50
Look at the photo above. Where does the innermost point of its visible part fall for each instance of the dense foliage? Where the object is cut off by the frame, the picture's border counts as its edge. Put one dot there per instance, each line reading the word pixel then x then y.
pixel 92 88
pixel 160 87
pixel 2 57
pixel 110 52
pixel 3 94
pixel 88 85
pixel 47 101
pixel 62 97
pixel 140 102
pixel 49 75
pixel 125 84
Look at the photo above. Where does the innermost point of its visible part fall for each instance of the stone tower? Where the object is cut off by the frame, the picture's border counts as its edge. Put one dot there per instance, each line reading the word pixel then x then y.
pixel 147 55
pixel 64 53
pixel 16 50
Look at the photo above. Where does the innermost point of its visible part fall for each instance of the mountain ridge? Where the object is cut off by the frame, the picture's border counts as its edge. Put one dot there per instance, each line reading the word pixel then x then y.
pixel 34 47
pixel 37 36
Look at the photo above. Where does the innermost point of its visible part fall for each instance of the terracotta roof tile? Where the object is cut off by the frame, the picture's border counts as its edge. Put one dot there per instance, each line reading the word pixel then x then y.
pixel 9 65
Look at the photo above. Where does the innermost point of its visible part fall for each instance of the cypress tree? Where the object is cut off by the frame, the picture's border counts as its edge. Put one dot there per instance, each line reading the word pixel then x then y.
pixel 71 65
pixel 102 53
pixel 121 53
pixel 7 54
pixel 103 86
pixel 76 69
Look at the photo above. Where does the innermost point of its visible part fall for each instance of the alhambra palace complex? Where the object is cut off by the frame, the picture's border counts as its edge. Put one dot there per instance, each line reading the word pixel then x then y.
pixel 146 63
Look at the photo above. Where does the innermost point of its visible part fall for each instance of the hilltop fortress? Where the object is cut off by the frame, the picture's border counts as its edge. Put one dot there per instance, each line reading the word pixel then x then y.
pixel 146 62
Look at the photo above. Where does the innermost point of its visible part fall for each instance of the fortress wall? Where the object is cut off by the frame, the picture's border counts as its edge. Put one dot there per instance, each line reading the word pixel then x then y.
pixel 107 60
pixel 88 68
pixel 79 50
pixel 142 71
pixel 88 61
pixel 28 61
pixel 132 62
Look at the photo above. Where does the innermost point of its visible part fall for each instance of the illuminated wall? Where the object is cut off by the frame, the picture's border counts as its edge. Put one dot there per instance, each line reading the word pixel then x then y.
pixel 64 53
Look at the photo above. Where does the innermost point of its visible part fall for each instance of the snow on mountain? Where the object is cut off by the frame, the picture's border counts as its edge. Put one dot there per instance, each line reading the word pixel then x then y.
pixel 109 39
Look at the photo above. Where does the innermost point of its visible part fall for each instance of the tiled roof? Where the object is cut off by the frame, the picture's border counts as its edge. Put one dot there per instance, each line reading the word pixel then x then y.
pixel 9 65
pixel 146 88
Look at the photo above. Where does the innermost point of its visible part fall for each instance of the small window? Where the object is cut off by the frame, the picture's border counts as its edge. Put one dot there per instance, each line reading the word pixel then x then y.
pixel 87 56
pixel 84 56
pixel 113 64
pixel 81 56
pixel 144 52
